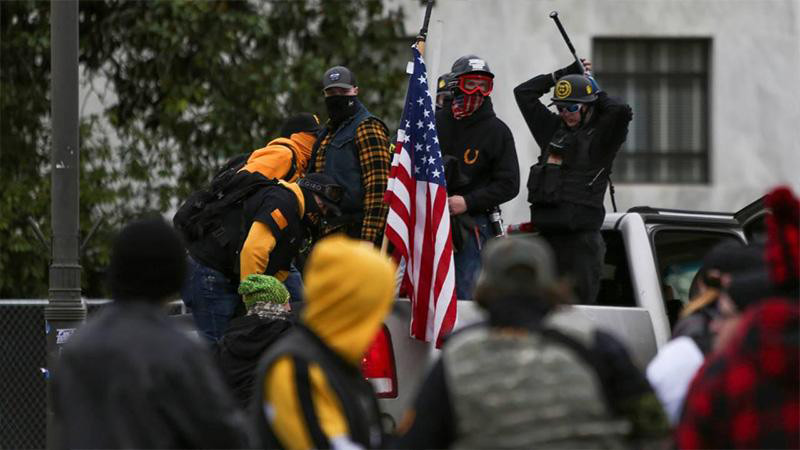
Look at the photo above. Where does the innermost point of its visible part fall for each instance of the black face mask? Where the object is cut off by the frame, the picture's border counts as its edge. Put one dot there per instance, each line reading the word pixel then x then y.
pixel 340 107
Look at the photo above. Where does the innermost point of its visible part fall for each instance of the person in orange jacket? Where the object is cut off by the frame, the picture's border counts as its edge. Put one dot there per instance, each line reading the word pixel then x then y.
pixel 286 157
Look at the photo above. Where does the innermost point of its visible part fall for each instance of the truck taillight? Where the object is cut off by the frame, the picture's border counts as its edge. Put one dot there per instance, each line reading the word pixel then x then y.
pixel 525 227
pixel 377 366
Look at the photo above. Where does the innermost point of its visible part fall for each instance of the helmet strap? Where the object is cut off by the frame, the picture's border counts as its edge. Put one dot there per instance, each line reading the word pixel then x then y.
pixel 585 116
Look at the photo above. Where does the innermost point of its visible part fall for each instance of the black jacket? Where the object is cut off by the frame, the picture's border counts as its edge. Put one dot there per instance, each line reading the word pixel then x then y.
pixel 222 253
pixel 609 121
pixel 484 148
pixel 127 379
pixel 239 350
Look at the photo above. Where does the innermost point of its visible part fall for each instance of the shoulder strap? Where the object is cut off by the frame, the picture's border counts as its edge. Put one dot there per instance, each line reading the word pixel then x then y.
pixel 585 354
pixel 293 168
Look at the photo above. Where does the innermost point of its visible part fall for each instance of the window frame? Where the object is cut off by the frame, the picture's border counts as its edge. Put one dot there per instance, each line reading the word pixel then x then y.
pixel 651 79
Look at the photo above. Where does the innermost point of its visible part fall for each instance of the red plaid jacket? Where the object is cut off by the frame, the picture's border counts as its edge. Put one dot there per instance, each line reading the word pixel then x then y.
pixel 746 396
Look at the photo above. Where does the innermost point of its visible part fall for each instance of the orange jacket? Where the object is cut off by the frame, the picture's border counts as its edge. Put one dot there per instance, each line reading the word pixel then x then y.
pixel 275 159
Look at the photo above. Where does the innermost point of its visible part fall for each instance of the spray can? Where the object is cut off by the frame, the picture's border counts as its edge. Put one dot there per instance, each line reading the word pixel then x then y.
pixel 496 221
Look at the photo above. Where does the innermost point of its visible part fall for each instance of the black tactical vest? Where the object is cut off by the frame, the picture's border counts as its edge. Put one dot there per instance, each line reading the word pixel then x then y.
pixel 576 180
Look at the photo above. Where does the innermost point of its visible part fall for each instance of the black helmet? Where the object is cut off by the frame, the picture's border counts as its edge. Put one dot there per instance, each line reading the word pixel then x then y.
pixel 470 64
pixel 325 187
pixel 573 89
pixel 444 80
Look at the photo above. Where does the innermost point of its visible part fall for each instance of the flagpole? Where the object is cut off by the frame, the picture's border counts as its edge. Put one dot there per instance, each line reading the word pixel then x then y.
pixel 420 43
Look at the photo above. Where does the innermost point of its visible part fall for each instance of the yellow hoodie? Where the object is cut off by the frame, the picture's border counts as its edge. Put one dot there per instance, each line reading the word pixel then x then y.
pixel 274 160
pixel 349 288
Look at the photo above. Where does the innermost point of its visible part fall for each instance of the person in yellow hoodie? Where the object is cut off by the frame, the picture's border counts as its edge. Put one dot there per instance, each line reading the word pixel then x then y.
pixel 311 393
pixel 286 157
pixel 261 234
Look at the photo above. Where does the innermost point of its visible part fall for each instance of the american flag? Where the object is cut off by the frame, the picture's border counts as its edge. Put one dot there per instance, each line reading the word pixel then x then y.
pixel 418 224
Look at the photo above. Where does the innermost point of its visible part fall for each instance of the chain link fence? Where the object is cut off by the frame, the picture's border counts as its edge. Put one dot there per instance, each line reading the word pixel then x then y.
pixel 23 395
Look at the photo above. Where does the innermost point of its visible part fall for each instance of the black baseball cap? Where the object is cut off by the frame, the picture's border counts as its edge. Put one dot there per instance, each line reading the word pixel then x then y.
pixel 338 76
pixel 298 123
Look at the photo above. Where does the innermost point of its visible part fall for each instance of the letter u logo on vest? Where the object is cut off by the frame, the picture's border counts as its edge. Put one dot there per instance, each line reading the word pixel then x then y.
pixel 471 160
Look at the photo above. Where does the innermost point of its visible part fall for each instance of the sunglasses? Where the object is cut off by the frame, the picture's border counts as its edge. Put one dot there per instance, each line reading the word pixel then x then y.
pixel 471 84
pixel 572 107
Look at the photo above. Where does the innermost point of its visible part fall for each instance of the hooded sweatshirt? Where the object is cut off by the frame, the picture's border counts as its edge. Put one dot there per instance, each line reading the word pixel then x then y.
pixel 349 290
pixel 238 351
pixel 275 159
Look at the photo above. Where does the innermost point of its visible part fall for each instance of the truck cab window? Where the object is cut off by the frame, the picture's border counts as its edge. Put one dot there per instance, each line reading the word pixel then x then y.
pixel 679 255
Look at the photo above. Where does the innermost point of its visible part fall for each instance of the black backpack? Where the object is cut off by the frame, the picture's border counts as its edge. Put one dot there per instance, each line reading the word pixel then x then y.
pixel 202 213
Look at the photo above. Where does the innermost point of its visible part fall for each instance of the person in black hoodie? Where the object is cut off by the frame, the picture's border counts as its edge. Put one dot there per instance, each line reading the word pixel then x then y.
pixel 567 185
pixel 483 145
pixel 129 379
pixel 247 337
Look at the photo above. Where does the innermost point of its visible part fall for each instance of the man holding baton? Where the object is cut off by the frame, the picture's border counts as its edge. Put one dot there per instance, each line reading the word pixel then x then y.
pixel 567 185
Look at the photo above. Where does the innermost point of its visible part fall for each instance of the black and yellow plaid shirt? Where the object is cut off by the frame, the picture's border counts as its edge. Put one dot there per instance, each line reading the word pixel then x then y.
pixel 375 157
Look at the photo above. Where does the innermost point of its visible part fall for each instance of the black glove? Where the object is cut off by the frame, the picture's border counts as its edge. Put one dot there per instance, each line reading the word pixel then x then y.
pixel 574 68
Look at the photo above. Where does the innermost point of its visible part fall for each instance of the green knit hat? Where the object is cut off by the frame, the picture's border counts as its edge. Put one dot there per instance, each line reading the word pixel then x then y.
pixel 262 288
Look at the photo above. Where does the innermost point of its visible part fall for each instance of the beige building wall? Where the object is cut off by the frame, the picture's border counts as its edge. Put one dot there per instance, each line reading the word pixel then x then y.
pixel 754 79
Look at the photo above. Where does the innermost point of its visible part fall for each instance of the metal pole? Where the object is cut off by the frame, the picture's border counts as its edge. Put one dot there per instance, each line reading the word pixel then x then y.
pixel 64 311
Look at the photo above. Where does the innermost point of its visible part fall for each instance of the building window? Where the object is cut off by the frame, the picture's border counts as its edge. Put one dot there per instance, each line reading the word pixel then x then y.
pixel 666 83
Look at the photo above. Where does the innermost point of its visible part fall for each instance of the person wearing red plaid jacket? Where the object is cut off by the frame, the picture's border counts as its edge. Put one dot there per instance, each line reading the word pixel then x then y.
pixel 747 393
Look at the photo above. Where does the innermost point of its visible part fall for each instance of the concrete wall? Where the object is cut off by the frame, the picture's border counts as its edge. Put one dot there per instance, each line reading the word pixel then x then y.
pixel 755 79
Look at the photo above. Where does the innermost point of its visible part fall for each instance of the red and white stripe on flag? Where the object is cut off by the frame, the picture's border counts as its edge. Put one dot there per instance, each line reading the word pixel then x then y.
pixel 418 223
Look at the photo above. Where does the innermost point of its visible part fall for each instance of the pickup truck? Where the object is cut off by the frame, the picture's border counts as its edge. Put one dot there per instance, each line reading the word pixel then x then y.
pixel 652 256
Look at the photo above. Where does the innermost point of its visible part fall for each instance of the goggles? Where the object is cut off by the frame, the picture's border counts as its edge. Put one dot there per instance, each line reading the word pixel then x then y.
pixel 570 107
pixel 331 193
pixel 473 83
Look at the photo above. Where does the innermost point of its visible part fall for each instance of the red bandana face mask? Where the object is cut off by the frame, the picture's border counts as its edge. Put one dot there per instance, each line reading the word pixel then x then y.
pixel 464 105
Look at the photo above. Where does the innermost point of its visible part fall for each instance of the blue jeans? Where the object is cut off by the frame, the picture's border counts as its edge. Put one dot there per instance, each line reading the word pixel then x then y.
pixel 294 284
pixel 212 297
pixel 468 259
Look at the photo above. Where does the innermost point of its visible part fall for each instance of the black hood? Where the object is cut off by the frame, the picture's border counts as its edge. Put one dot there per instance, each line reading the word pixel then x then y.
pixel 248 336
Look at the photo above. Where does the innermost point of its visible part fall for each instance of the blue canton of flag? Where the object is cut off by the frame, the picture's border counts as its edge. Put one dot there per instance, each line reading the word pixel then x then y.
pixel 419 127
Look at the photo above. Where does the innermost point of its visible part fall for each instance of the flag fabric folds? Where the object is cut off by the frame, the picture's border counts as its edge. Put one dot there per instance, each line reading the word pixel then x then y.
pixel 418 223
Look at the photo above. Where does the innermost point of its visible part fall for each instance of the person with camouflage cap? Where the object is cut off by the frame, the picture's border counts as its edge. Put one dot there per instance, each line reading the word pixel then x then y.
pixel 537 374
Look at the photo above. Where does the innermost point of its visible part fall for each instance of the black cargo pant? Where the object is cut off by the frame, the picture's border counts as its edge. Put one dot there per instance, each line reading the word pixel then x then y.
pixel 579 257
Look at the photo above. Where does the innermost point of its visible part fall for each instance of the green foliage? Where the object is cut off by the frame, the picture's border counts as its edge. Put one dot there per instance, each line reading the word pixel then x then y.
pixel 185 84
